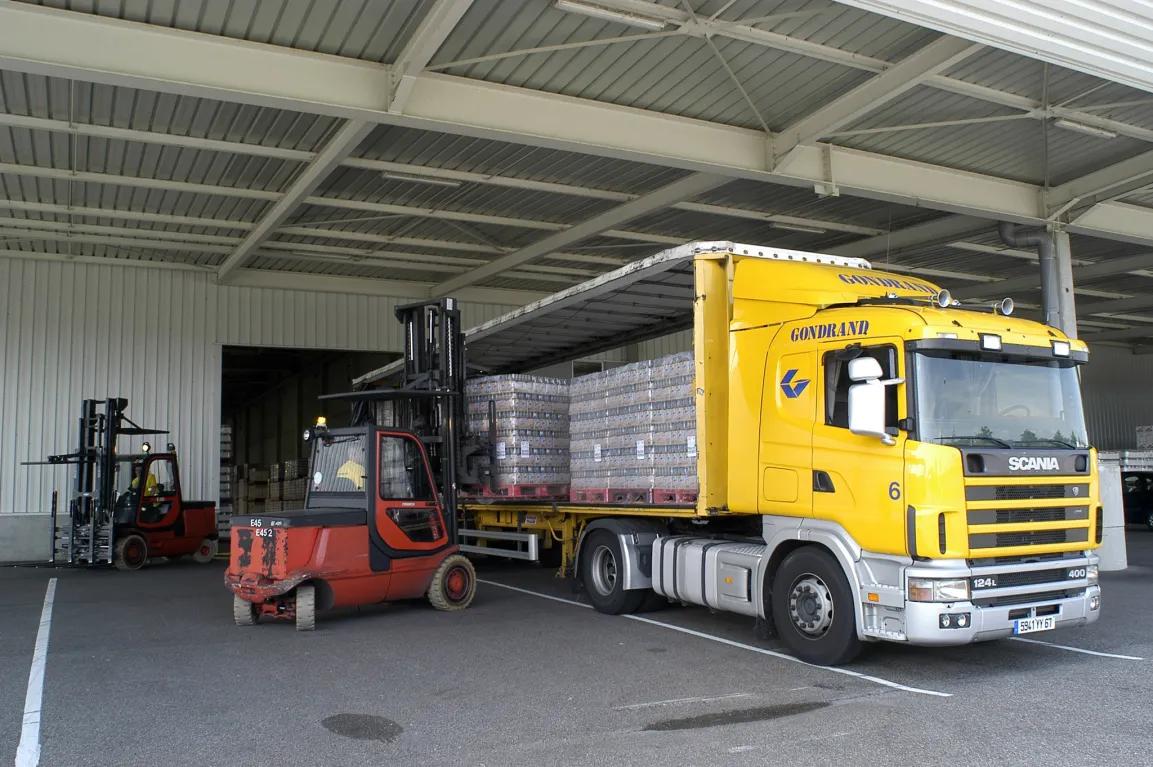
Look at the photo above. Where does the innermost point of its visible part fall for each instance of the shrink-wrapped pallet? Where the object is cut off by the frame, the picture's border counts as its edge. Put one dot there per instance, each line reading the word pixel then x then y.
pixel 634 433
pixel 531 440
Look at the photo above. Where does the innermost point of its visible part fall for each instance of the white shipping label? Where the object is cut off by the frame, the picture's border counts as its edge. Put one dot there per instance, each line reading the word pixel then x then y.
pixel 524 451
pixel 530 519
pixel 597 453
pixel 692 446
pixel 501 451
pixel 641 449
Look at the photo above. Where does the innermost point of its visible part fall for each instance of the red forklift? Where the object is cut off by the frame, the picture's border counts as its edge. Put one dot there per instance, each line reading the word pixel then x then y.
pixel 126 508
pixel 376 525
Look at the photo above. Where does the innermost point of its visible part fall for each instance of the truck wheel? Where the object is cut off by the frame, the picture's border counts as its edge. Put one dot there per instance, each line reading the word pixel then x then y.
pixel 243 612
pixel 306 607
pixel 206 551
pixel 1149 520
pixel 813 608
pixel 131 552
pixel 602 572
pixel 453 584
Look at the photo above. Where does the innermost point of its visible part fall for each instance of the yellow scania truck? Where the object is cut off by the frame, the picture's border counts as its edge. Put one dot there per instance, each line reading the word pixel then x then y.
pixel 875 461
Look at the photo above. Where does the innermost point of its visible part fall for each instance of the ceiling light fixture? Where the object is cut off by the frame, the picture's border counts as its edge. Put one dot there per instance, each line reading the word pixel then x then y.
pixel 607 14
pixel 1088 130
pixel 799 228
pixel 421 180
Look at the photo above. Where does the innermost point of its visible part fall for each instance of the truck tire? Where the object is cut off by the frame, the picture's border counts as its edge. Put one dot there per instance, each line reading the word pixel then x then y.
pixel 305 607
pixel 131 552
pixel 453 584
pixel 1149 520
pixel 243 612
pixel 814 608
pixel 602 576
pixel 206 551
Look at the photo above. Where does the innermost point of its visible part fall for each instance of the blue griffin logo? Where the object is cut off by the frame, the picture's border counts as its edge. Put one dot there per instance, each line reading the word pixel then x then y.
pixel 791 388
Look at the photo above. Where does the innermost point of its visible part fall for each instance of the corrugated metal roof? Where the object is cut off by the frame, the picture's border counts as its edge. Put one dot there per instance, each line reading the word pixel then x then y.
pixel 362 29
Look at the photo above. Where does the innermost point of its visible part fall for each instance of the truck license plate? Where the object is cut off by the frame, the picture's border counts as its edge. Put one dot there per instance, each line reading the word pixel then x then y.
pixel 1029 625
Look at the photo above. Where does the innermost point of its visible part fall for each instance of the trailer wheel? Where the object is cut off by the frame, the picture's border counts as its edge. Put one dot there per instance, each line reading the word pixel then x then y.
pixel 131 552
pixel 206 551
pixel 1149 520
pixel 813 608
pixel 306 607
pixel 453 584
pixel 602 572
pixel 243 612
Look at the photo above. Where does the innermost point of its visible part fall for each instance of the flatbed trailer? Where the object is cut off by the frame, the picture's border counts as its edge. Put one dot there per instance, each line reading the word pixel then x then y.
pixel 875 461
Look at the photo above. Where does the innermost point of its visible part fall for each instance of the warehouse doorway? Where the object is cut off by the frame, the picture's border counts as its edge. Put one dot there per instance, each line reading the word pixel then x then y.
pixel 269 395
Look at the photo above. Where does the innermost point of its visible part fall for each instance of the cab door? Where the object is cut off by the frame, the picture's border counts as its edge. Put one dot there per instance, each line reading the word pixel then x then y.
pixel 407 518
pixel 858 481
pixel 160 504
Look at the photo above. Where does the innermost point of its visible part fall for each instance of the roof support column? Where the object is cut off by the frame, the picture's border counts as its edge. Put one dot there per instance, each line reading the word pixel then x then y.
pixel 1063 282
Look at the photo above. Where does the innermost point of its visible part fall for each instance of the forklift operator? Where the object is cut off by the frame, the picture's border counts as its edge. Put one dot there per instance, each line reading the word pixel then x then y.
pixel 353 468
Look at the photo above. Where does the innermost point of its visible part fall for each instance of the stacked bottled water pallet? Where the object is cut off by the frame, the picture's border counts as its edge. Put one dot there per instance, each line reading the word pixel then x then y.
pixel 532 433
pixel 634 433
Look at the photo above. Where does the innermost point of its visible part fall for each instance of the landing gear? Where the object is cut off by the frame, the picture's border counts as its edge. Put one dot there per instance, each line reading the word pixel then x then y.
pixel 453 585
pixel 243 612
pixel 306 607
pixel 131 552
pixel 813 608
pixel 206 552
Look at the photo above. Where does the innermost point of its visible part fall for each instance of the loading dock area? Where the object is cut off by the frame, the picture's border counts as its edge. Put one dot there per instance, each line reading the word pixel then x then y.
pixel 530 675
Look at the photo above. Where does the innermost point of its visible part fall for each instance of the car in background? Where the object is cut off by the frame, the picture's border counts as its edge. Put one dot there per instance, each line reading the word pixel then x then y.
pixel 1137 495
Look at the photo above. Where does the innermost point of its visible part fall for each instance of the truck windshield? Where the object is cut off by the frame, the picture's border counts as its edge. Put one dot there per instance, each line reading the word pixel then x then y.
pixel 971 401
pixel 338 464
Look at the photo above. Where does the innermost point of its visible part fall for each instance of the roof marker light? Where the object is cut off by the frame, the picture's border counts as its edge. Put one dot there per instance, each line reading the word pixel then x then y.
pixel 991 342
pixel 1061 348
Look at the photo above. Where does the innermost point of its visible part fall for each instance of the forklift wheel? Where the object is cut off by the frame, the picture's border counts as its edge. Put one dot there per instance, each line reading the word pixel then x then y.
pixel 454 584
pixel 306 607
pixel 243 612
pixel 131 553
pixel 206 552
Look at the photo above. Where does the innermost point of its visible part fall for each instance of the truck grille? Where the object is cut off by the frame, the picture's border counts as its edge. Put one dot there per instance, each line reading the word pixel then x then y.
pixel 1028 538
pixel 1024 578
pixel 1002 516
pixel 1020 599
pixel 1025 492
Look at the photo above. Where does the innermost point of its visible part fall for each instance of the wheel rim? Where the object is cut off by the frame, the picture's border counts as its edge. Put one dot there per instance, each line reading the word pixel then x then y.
pixel 456 584
pixel 604 570
pixel 1149 520
pixel 811 606
pixel 205 550
pixel 134 552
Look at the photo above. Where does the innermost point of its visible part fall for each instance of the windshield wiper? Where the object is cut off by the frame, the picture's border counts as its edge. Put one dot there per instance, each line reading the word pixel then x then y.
pixel 1058 442
pixel 994 440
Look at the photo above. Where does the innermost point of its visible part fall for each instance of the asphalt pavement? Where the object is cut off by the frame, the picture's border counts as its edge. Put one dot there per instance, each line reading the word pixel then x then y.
pixel 147 668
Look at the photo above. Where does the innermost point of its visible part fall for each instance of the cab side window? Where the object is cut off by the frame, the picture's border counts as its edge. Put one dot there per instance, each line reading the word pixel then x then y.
pixel 836 365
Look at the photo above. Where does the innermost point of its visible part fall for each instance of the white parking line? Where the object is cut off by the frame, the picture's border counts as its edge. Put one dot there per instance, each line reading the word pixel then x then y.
pixel 28 752
pixel 741 645
pixel 1077 649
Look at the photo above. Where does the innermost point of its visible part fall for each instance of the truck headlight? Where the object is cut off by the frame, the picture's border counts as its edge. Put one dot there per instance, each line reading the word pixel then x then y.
pixel 1092 573
pixel 938 590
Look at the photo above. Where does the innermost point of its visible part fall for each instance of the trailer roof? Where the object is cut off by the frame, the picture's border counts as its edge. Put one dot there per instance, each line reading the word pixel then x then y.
pixel 645 299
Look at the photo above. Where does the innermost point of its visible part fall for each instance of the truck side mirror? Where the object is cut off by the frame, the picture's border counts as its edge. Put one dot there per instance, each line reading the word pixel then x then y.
pixel 867 415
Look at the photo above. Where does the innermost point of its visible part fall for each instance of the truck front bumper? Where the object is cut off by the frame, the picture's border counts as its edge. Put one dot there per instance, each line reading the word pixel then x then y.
pixel 923 619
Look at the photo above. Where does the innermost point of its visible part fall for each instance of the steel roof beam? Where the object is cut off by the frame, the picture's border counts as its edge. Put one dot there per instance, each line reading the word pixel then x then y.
pixel 436 25
pixel 1096 269
pixel 936 57
pixel 935 232
pixel 1108 183
pixel 98 49
pixel 123 215
pixel 689 186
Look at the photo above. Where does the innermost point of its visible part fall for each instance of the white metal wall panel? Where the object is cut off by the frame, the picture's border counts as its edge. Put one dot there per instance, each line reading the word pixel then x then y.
pixel 75 331
pixel 1112 39
pixel 681 341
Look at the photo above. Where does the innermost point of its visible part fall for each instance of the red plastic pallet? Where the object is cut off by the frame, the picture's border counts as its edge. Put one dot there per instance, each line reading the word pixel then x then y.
pixel 526 491
pixel 655 497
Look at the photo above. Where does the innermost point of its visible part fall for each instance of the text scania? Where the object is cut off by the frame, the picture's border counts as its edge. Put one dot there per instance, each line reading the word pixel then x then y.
pixel 830 330
pixel 889 282
pixel 1034 463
